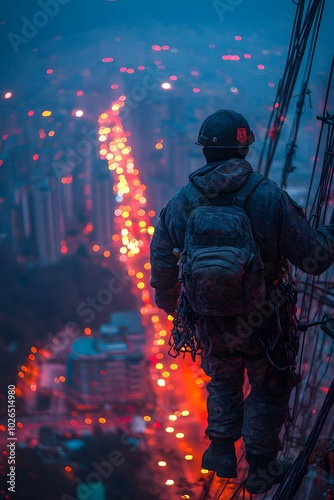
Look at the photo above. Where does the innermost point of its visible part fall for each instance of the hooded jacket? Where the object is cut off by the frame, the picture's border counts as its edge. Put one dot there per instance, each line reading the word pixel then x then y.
pixel 279 226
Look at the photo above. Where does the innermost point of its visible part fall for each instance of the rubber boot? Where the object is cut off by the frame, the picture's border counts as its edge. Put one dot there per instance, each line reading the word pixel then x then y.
pixel 220 457
pixel 265 471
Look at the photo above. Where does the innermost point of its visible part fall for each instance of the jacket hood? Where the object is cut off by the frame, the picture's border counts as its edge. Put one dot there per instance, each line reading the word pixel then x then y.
pixel 221 177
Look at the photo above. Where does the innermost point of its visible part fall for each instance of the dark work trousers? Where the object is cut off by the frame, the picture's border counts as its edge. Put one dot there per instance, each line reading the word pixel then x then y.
pixel 260 417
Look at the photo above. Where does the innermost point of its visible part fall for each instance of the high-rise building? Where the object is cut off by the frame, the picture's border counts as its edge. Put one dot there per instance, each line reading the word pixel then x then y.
pixel 107 368
pixel 48 220
pixel 142 138
pixel 17 164
pixel 102 205
pixel 20 222
pixel 129 323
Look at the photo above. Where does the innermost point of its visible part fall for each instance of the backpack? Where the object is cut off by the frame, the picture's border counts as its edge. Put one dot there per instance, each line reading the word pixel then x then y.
pixel 221 269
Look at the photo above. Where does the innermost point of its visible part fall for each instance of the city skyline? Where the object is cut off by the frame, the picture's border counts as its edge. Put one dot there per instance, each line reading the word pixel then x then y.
pixel 54 134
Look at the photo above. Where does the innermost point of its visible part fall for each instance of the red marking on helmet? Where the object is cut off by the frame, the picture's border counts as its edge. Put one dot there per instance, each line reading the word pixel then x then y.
pixel 241 134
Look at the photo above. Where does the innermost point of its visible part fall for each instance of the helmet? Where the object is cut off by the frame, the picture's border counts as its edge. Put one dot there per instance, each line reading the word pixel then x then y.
pixel 225 129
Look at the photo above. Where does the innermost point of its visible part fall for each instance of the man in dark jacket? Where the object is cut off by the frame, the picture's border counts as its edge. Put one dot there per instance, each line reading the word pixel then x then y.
pixel 281 231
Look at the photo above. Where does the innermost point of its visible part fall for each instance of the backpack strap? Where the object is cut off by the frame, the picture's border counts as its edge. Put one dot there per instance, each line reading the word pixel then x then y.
pixel 247 189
